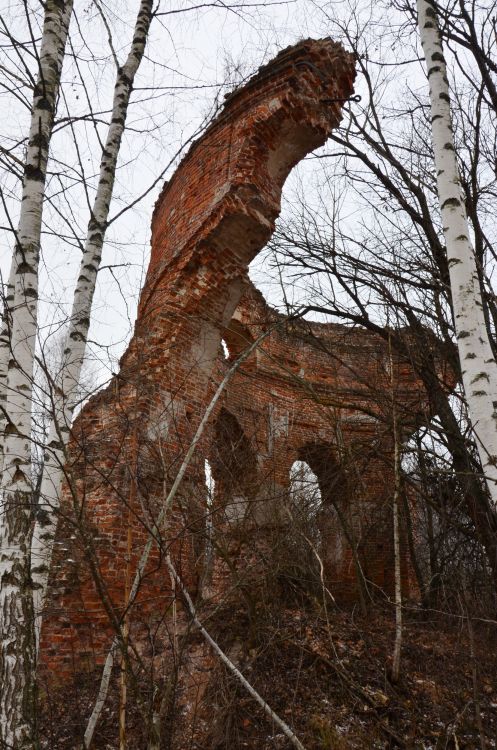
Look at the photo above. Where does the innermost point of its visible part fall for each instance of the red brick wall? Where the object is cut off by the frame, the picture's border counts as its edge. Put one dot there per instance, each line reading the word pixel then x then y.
pixel 318 393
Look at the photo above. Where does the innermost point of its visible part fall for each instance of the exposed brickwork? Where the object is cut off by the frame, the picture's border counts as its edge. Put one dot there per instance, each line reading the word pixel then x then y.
pixel 318 393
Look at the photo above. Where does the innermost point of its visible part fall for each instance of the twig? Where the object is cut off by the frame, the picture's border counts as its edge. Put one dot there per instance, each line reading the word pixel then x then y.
pixel 155 530
pixel 294 740
pixel 354 689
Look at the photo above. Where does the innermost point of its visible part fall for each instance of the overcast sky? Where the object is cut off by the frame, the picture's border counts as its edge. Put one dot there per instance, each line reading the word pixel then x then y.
pixel 193 58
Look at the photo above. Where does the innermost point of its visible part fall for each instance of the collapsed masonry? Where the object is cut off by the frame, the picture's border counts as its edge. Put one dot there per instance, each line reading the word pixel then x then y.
pixel 304 394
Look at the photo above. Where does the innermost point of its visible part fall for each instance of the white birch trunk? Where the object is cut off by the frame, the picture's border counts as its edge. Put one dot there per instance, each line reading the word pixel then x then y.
pixel 479 369
pixel 64 397
pixel 17 646
pixel 5 353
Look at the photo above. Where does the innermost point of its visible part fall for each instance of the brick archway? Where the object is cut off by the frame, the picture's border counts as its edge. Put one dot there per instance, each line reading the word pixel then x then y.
pixel 234 469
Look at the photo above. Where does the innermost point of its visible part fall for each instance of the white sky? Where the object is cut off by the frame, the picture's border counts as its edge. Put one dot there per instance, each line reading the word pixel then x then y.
pixel 189 56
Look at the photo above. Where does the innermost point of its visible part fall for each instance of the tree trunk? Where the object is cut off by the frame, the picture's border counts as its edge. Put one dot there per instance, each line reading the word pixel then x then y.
pixel 479 506
pixel 17 645
pixel 8 300
pixel 478 366
pixel 396 527
pixel 64 398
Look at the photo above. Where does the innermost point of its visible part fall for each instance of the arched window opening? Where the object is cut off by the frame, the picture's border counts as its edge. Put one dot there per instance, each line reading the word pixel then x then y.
pixel 305 493
pixel 320 457
pixel 233 466
pixel 327 517
pixel 302 539
pixel 225 350
pixel 233 460
pixel 237 338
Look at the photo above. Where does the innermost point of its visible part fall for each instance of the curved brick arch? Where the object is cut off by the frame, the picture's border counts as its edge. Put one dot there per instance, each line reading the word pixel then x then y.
pixel 218 210
pixel 226 192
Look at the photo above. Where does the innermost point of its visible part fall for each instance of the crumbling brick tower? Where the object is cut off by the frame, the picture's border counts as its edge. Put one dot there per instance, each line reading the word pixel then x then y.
pixel 305 393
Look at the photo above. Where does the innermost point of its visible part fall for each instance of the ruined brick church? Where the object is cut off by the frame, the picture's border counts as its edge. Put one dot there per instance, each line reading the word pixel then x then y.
pixel 304 393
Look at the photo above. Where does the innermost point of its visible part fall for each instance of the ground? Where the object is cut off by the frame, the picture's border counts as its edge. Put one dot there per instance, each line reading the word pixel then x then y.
pixel 326 675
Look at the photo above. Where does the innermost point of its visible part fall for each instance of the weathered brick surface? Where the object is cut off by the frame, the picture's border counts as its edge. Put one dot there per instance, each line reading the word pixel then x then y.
pixel 318 393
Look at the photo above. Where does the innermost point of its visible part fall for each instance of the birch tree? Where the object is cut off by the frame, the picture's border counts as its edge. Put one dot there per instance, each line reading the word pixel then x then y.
pixel 478 365
pixel 17 696
pixel 17 647
pixel 77 331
